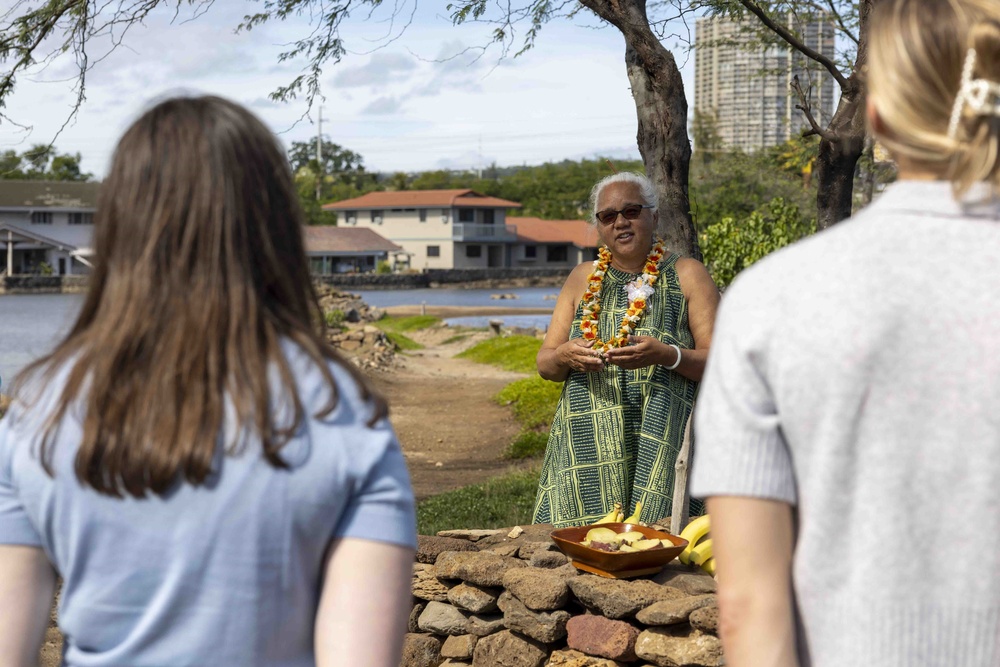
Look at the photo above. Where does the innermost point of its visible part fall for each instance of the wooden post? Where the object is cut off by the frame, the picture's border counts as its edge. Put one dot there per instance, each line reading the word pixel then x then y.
pixel 680 504
pixel 10 253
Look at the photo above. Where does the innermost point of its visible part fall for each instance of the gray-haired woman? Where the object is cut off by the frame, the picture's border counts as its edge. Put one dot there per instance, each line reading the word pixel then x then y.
pixel 629 337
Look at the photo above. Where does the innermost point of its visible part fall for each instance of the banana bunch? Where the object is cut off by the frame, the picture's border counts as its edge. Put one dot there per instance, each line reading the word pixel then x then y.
pixel 699 554
pixel 617 516
pixel 614 516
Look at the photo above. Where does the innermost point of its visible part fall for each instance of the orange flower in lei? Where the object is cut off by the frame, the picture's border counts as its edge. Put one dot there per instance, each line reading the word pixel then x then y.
pixel 638 292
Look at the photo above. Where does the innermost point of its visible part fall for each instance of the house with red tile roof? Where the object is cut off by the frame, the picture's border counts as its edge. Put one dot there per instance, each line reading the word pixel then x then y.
pixel 437 229
pixel 348 250
pixel 553 243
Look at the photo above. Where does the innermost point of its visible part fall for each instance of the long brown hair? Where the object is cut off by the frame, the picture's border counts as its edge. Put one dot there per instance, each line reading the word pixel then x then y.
pixel 200 274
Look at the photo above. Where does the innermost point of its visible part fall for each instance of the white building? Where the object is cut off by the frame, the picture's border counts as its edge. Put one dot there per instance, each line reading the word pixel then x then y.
pixel 437 229
pixel 747 88
pixel 46 226
pixel 553 243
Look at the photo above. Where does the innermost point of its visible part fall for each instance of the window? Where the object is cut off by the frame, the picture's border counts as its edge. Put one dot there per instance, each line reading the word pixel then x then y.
pixel 473 251
pixel 41 218
pixel 530 251
pixel 488 216
pixel 466 215
pixel 376 216
pixel 557 253
pixel 433 251
pixel 81 218
pixel 351 217
pixel 423 215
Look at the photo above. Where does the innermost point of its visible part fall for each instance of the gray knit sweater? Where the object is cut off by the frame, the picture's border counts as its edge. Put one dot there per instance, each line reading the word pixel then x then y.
pixel 856 376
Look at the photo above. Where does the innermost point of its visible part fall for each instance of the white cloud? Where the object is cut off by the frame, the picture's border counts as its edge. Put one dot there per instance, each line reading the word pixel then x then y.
pixel 383 106
pixel 381 69
pixel 425 102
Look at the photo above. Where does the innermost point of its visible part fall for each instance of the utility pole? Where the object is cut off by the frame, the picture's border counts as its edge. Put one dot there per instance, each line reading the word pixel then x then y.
pixel 319 155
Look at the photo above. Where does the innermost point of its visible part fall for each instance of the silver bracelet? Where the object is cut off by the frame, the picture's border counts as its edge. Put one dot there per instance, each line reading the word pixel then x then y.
pixel 676 363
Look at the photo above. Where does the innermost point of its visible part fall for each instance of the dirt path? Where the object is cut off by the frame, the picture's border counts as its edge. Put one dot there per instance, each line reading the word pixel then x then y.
pixel 452 431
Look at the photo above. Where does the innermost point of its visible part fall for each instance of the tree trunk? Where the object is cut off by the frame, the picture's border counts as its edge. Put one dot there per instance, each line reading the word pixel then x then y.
pixel 661 109
pixel 839 155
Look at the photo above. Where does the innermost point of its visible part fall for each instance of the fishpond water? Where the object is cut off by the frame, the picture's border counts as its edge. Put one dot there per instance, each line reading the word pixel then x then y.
pixel 31 324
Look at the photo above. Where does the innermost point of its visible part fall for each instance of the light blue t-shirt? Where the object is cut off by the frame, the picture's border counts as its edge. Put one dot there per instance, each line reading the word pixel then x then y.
pixel 228 573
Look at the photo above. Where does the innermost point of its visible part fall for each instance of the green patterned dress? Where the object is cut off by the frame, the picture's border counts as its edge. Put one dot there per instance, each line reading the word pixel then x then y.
pixel 616 433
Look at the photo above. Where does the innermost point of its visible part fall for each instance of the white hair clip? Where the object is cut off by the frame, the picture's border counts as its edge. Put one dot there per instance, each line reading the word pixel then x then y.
pixel 976 93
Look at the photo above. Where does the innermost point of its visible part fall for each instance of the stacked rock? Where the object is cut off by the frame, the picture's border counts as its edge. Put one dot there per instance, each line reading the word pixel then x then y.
pixel 487 598
pixel 367 346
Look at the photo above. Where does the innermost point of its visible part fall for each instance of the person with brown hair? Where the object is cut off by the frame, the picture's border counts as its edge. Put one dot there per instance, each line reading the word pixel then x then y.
pixel 848 440
pixel 213 483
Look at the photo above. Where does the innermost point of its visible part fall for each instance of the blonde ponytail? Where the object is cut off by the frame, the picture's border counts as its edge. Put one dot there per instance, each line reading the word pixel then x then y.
pixel 977 131
pixel 918 51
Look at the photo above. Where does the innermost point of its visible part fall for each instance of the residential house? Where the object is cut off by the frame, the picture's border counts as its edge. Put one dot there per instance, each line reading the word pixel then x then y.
pixel 553 243
pixel 437 229
pixel 348 250
pixel 46 226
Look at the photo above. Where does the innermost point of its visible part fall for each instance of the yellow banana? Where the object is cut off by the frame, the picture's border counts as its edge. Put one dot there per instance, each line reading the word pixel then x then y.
pixel 610 517
pixel 709 566
pixel 702 553
pixel 693 532
pixel 635 515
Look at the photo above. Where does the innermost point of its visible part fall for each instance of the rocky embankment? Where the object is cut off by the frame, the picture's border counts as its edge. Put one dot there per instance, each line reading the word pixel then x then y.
pixel 355 335
pixel 509 597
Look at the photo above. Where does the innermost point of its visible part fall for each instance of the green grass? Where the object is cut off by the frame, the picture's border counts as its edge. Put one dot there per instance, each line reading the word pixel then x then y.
pixel 394 328
pixel 497 503
pixel 512 353
pixel 528 444
pixel 402 341
pixel 455 339
pixel 533 400
pixel 404 324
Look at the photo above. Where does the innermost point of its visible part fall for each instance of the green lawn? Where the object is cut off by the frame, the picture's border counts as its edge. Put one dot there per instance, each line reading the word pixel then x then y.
pixel 512 353
pixel 395 328
pixel 497 503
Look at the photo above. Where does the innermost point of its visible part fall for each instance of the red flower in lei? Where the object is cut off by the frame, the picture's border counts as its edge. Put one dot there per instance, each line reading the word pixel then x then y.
pixel 592 299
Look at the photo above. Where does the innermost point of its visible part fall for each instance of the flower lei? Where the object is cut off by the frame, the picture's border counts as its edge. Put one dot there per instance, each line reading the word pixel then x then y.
pixel 638 291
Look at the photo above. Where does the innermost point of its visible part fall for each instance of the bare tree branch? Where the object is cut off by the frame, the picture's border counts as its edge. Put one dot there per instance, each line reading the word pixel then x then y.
pixel 795 42
pixel 806 108
pixel 843 24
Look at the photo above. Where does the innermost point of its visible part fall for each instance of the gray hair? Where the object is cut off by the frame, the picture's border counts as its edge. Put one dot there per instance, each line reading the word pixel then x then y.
pixel 647 191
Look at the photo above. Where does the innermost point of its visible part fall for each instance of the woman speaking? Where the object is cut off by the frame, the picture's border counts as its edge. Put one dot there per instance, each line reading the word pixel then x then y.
pixel 629 337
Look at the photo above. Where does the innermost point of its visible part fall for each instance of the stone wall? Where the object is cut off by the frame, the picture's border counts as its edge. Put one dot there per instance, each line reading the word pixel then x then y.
pixel 28 284
pixel 472 278
pixel 485 598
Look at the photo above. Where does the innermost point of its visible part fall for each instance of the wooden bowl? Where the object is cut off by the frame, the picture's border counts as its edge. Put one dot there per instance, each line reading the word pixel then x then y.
pixel 613 564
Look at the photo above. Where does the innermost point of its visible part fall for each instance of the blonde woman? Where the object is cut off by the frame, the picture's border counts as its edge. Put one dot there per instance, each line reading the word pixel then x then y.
pixel 214 484
pixel 849 439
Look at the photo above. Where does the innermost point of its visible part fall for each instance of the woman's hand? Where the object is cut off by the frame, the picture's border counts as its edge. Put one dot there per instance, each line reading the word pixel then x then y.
pixel 579 355
pixel 641 351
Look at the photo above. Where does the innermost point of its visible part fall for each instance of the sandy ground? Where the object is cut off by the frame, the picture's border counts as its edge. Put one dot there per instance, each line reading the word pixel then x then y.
pixel 451 429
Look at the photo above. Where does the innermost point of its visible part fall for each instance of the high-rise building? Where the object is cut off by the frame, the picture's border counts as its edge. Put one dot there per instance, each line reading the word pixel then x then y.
pixel 746 88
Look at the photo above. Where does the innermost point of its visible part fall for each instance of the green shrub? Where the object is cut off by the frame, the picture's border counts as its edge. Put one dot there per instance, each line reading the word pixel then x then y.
pixel 730 246
pixel 334 319
pixel 503 501
pixel 512 353
pixel 383 267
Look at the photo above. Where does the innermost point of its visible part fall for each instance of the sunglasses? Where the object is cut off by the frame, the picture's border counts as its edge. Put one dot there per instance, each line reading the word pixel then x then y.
pixel 631 212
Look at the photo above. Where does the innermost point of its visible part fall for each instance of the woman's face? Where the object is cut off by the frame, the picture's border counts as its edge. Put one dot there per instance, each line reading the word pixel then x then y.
pixel 627 239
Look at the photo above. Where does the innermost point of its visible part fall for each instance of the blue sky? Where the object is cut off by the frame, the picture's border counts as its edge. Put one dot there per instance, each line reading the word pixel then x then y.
pixel 421 101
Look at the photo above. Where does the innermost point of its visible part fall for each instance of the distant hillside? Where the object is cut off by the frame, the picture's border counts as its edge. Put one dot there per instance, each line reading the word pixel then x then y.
pixel 554 190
